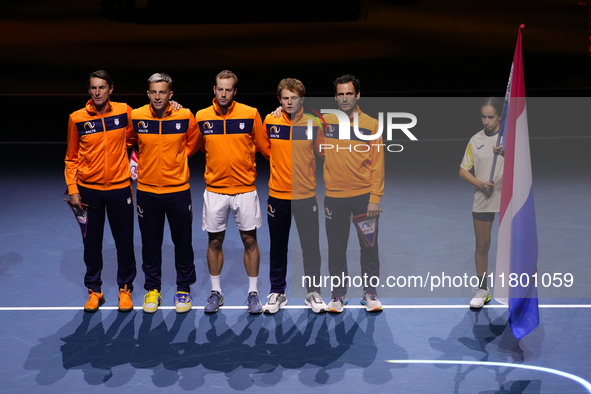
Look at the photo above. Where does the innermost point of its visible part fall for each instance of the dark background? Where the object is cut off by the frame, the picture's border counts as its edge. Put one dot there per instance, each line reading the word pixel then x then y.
pixel 404 48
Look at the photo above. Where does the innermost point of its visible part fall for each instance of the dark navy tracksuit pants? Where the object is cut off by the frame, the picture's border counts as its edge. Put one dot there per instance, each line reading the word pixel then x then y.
pixel 152 209
pixel 337 212
pixel 279 214
pixel 119 207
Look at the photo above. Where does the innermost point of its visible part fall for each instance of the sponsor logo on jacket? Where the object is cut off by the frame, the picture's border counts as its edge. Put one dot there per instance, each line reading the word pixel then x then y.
pixel 207 128
pixel 89 127
pixel 142 127
pixel 274 132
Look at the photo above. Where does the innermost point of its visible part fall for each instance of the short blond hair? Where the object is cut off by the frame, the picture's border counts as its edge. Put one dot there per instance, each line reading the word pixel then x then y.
pixel 293 85
pixel 225 75
pixel 160 77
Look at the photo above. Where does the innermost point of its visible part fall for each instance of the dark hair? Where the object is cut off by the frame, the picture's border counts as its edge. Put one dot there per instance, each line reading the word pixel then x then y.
pixel 102 74
pixel 495 102
pixel 346 79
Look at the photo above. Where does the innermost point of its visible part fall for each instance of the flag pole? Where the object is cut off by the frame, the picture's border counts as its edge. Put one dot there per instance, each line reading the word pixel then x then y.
pixel 503 127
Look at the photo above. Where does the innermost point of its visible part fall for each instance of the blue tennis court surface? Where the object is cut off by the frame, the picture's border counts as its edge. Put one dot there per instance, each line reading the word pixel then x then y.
pixel 438 345
pixel 292 351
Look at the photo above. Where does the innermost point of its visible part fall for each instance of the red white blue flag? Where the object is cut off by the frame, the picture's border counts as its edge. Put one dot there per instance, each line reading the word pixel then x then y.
pixel 517 252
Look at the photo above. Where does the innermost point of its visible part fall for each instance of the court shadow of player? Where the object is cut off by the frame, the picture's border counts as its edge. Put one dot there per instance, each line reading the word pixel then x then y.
pixel 189 355
pixel 214 347
pixel 96 351
pixel 491 341
pixel 517 387
pixel 270 359
pixel 355 347
pixel 227 351
pixel 257 349
pixel 243 351
pixel 83 344
pixel 46 357
pixel 154 348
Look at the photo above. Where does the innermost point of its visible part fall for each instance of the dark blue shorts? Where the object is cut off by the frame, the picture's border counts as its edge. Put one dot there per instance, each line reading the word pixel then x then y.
pixel 484 216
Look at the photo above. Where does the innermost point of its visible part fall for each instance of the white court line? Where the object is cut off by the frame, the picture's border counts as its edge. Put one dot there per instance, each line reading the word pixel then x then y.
pixel 462 306
pixel 567 375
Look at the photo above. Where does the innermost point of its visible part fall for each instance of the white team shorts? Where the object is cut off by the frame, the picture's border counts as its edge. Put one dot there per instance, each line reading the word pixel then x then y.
pixel 244 206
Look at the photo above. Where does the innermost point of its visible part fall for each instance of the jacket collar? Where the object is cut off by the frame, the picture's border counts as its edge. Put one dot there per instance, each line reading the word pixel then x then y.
pixel 288 118
pixel 216 107
pixel 91 109
pixel 353 113
pixel 166 113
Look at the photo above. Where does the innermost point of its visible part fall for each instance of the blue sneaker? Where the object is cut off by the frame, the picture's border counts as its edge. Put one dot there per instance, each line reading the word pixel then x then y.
pixel 182 300
pixel 214 301
pixel 254 304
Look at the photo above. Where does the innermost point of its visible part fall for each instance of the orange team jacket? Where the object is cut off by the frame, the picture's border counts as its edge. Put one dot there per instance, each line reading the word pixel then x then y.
pixel 292 161
pixel 230 142
pixel 165 145
pixel 352 169
pixel 96 156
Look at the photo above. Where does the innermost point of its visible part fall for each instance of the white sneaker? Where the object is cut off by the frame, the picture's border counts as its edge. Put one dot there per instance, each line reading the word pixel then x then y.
pixel 336 304
pixel 482 297
pixel 371 302
pixel 314 301
pixel 276 301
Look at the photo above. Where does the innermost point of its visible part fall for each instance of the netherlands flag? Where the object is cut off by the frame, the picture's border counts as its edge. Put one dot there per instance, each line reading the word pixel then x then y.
pixel 517 252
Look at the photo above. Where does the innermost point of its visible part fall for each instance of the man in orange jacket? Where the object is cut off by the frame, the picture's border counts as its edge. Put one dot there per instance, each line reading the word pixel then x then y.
pixel 166 139
pixel 354 181
pixel 230 134
pixel 98 178
pixel 292 193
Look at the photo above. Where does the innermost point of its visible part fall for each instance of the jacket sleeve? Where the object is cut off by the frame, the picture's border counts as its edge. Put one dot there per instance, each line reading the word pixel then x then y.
pixel 377 170
pixel 71 171
pixel 259 135
pixel 200 142
pixel 131 136
pixel 320 140
pixel 192 137
pixel 267 136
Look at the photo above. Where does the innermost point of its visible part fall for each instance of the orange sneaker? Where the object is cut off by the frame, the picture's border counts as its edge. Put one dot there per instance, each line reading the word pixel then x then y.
pixel 125 303
pixel 94 301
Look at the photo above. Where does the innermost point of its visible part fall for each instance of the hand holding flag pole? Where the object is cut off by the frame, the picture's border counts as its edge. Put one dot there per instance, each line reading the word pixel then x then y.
pixel 503 128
